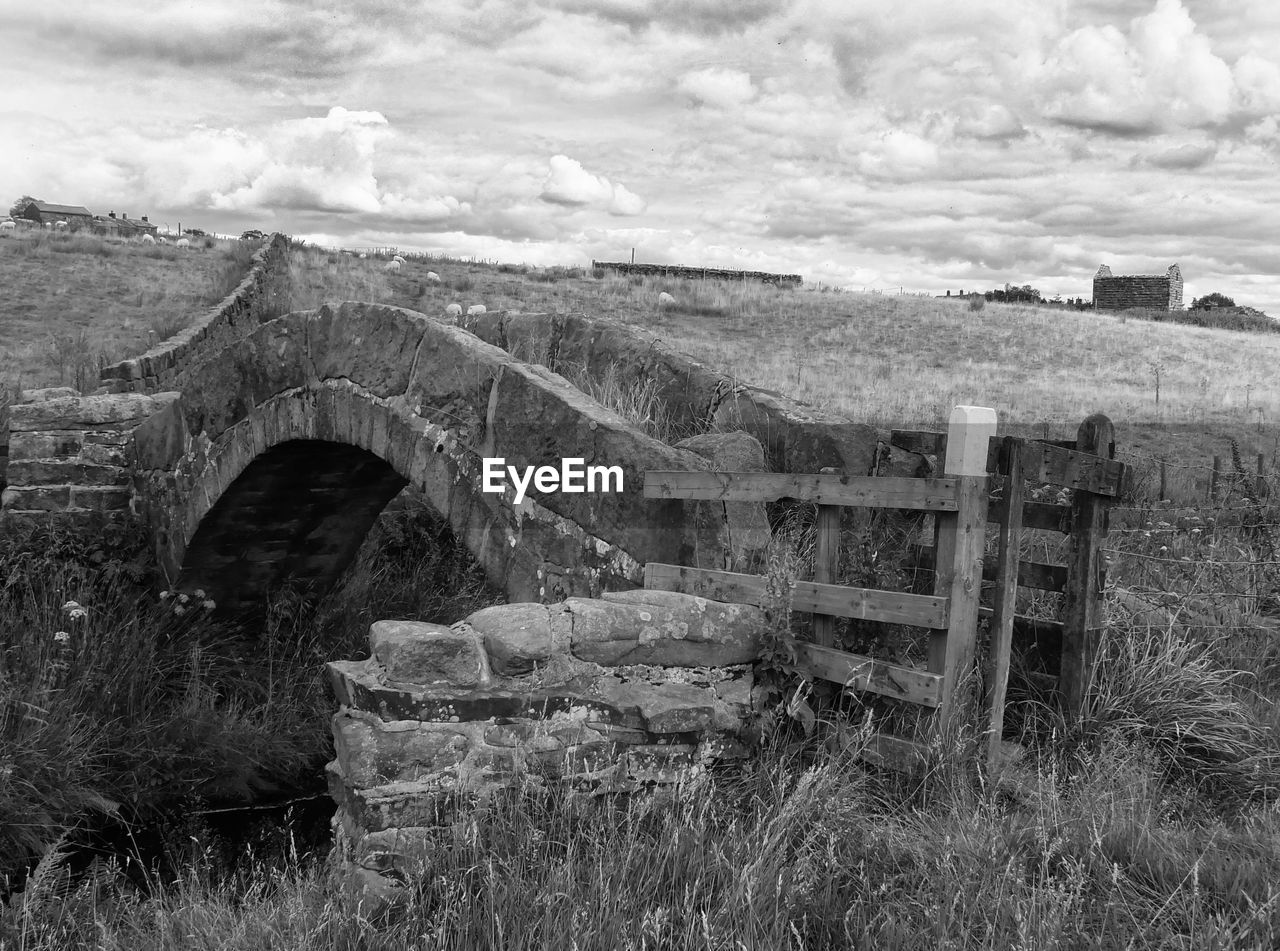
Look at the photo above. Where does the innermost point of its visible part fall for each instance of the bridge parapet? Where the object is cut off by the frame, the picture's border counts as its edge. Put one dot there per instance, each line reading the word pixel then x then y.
pixel 165 365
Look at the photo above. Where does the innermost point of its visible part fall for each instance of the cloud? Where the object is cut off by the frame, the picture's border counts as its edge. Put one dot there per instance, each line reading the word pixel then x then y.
pixel 700 17
pixel 1190 155
pixel 1162 75
pixel 897 154
pixel 568 183
pixel 723 88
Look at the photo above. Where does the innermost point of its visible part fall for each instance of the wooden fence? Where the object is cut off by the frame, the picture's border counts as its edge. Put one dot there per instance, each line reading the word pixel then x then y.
pixel 962 501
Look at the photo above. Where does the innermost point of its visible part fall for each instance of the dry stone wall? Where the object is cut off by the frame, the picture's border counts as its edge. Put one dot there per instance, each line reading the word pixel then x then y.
pixel 635 689
pixel 72 458
pixel 699 273
pixel 164 367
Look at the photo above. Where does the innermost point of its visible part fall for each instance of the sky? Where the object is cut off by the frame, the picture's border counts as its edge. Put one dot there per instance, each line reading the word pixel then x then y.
pixel 929 145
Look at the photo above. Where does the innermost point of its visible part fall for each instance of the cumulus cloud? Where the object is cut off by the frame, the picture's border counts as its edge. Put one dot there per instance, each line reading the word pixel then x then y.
pixel 897 154
pixel 724 88
pixel 1161 75
pixel 568 183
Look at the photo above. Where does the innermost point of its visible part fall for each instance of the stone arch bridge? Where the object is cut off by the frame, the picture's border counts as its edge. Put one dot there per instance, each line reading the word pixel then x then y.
pixel 272 456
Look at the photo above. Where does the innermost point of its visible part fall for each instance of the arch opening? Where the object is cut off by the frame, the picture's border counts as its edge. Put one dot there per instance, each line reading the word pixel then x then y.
pixel 297 513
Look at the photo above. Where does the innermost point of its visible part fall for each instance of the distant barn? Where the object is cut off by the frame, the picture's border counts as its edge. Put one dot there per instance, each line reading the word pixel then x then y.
pixel 1119 292
pixel 43 212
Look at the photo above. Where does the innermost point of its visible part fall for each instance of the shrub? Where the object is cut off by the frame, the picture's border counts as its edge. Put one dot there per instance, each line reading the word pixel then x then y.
pixel 977 302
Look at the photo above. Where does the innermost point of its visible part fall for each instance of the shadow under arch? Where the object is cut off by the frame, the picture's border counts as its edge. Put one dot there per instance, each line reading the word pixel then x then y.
pixel 298 512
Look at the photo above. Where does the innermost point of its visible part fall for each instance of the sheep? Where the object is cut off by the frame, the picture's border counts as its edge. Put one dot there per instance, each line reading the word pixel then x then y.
pixel 392 266
pixel 182 243
pixel 475 309
pixel 399 260
pixel 363 256
pixel 164 240
pixel 453 310
pixel 147 239
pixel 666 300
pixel 8 226
pixel 433 277
pixel 61 225
pixel 48 225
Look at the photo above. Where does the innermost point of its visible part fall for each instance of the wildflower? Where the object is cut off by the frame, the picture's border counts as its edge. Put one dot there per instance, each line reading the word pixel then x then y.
pixel 179 609
pixel 183 599
pixel 62 637
pixel 165 595
pixel 199 593
pixel 75 611
pixel 209 604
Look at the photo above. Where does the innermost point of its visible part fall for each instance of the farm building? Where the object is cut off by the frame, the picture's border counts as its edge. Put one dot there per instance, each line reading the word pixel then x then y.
pixel 124 227
pixel 1118 292
pixel 43 212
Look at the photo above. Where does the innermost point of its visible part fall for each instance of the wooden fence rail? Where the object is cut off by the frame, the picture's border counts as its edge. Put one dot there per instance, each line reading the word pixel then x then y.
pixel 962 502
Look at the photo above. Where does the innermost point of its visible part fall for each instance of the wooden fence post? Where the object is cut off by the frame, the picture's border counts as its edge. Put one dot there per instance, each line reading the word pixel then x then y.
pixel 1261 484
pixel 1082 615
pixel 826 565
pixel 1004 604
pixel 1214 477
pixel 959 546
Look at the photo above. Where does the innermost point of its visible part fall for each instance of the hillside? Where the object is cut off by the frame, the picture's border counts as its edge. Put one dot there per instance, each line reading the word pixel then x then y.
pixel 71 300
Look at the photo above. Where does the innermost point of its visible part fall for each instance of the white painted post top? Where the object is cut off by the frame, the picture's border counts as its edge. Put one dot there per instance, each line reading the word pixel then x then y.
pixel 968 436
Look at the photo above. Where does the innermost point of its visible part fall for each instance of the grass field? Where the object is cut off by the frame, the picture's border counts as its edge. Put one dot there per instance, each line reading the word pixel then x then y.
pixel 76 301
pixel 1151 823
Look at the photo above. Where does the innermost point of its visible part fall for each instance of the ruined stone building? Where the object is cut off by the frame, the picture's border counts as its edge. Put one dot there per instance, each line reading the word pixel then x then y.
pixel 1118 292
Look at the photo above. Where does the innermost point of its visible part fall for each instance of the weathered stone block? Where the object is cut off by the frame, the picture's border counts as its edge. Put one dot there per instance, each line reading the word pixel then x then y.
pixel 65 472
pixel 749 532
pixel 45 445
pixel 372 752
pixel 665 629
pixel 114 411
pixel 48 393
pixel 516 636
pixel 38 499
pixel 417 652
pixel 161 439
pixel 370 344
pixel 97 499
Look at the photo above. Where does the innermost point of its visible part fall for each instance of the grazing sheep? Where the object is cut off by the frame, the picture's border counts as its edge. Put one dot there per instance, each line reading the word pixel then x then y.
pixel 666 300
pixel 399 260
pixel 182 243
pixel 48 225
pixel 61 225
pixel 164 240
pixel 475 309
pixel 453 310
pixel 433 277
pixel 8 226
pixel 363 256
pixel 392 266
pixel 147 239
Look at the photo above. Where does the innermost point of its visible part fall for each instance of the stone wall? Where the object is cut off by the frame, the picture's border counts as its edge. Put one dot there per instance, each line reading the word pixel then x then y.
pixel 632 690
pixel 1119 292
pixel 165 365
pixel 72 458
pixel 797 437
pixel 699 273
